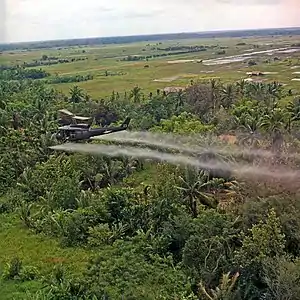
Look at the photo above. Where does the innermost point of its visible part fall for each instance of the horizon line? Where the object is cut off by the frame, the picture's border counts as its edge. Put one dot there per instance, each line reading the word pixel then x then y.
pixel 150 34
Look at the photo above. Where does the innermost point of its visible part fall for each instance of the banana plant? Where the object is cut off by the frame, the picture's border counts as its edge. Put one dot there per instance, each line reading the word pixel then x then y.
pixel 196 187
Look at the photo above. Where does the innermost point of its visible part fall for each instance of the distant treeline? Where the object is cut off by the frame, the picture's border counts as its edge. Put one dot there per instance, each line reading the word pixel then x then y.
pixel 68 79
pixel 78 78
pixel 47 61
pixel 147 38
pixel 109 73
pixel 6 67
pixel 147 57
pixel 20 73
pixel 8 73
pixel 188 48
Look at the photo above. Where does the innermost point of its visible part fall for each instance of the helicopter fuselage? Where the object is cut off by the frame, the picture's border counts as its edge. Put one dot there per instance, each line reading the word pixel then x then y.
pixel 82 132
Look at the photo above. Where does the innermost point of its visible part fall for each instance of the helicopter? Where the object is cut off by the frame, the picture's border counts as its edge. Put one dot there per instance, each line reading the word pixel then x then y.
pixel 73 131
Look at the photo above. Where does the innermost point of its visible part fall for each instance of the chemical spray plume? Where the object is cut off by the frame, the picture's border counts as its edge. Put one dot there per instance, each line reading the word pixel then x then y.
pixel 146 153
pixel 187 144
pixel 177 159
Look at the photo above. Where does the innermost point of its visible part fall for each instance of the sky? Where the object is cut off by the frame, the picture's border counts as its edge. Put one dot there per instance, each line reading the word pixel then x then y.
pixel 33 20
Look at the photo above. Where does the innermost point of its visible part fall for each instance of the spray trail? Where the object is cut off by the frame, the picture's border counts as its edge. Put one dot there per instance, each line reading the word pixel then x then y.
pixel 116 151
pixel 187 144
pixel 144 138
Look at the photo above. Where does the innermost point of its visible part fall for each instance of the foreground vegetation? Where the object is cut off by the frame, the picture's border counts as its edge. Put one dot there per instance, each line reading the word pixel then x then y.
pixel 77 226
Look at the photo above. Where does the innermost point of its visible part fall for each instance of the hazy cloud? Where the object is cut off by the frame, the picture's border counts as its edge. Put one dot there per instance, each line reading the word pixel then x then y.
pixel 2 21
pixel 251 2
pixel 149 14
pixel 52 19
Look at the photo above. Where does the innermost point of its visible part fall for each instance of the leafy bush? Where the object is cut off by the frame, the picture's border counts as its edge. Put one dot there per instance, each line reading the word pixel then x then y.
pixel 184 123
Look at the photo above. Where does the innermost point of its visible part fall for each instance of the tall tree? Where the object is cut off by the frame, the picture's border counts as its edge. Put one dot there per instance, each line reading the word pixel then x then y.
pixel 76 94
pixel 136 94
pixel 228 96
pixel 274 124
pixel 198 188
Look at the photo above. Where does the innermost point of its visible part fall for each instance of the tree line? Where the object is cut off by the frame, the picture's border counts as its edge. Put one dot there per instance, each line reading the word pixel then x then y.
pixel 48 61
pixel 146 38
pixel 18 73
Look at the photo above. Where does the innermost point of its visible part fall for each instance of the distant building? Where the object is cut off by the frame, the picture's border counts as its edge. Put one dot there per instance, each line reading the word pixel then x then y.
pixel 255 73
pixel 254 80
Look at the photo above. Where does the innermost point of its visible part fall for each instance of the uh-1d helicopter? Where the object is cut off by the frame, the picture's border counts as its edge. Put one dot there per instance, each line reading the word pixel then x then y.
pixel 72 131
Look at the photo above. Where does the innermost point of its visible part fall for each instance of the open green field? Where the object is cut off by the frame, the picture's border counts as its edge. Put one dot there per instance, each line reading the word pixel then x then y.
pixel 34 251
pixel 165 71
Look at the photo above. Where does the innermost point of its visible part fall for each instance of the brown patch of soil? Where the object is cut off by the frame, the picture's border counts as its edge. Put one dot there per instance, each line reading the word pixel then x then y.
pixel 55 260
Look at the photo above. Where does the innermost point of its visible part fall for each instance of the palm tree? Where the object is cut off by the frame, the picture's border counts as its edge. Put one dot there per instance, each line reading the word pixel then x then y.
pixel 228 94
pixel 273 92
pixel 113 170
pixel 179 100
pixel 256 91
pixel 136 94
pixel 249 124
pixel 129 165
pixel 197 187
pixel 214 92
pixel 241 87
pixel 293 109
pixel 274 123
pixel 76 94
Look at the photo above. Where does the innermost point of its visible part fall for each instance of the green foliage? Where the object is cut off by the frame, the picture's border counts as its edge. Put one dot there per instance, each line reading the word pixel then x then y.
pixel 5 206
pixel 282 275
pixel 12 269
pixel 68 79
pixel 184 123
pixel 122 271
pixel 49 178
pixel 156 109
pixel 15 270
pixel 287 210
pixel 18 73
pixel 209 250
pixel 73 227
pixel 265 240
pixel 154 232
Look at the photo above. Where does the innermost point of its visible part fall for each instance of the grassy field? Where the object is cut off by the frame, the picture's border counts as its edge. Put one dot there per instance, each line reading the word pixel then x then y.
pixel 162 72
pixel 34 251
pixel 42 252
